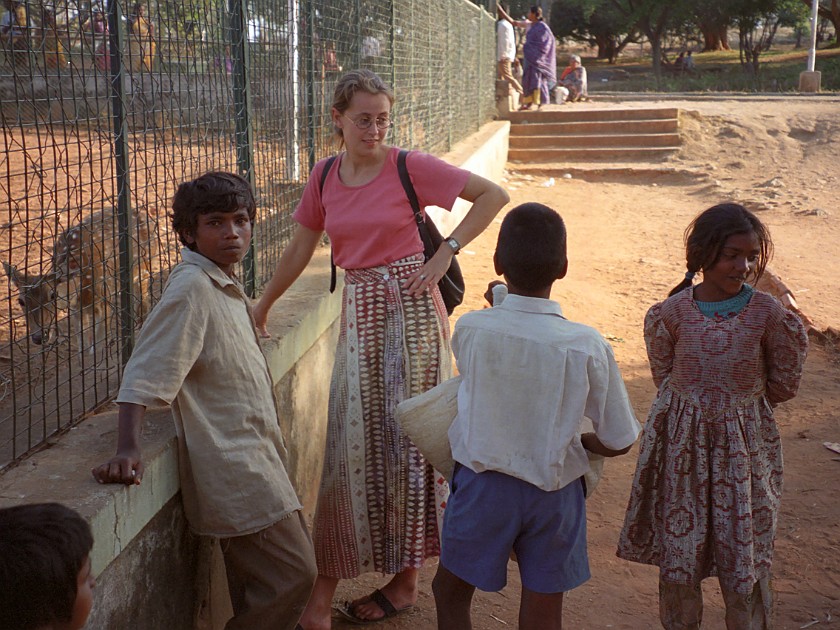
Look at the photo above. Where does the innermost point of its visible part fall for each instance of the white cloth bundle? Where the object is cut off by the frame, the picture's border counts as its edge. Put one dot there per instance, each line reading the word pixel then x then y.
pixel 426 419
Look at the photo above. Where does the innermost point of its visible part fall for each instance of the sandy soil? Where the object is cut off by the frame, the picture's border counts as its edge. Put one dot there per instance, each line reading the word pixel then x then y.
pixel 625 239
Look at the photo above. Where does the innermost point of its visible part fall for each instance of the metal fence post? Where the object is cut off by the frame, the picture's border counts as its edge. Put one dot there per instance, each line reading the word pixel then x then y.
pixel 123 183
pixel 450 82
pixel 410 81
pixel 312 92
pixel 242 113
pixel 393 42
pixel 479 67
pixel 357 6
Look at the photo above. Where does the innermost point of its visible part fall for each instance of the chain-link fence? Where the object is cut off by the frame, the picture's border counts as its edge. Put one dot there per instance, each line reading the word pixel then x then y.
pixel 107 108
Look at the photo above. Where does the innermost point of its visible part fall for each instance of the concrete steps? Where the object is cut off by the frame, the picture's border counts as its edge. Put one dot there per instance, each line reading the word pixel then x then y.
pixel 647 140
pixel 593 135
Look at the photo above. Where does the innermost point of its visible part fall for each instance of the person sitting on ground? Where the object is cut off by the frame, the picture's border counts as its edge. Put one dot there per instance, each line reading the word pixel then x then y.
pixel 198 352
pixel 45 576
pixel 528 373
pixel 573 80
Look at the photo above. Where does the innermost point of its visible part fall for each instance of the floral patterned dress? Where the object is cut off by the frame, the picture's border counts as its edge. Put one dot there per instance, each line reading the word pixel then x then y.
pixel 708 482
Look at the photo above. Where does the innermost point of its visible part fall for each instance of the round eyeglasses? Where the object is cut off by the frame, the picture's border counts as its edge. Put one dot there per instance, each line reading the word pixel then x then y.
pixel 365 122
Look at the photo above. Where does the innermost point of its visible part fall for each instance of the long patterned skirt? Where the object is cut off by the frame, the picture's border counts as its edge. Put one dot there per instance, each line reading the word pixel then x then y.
pixel 380 504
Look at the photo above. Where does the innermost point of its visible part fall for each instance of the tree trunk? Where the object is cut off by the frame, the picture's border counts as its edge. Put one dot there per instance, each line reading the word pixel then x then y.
pixel 603 43
pixel 723 37
pixel 656 52
pixel 714 37
pixel 835 20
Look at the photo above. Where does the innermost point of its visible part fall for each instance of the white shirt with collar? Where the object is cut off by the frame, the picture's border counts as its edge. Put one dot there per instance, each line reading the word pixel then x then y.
pixel 529 378
pixel 505 42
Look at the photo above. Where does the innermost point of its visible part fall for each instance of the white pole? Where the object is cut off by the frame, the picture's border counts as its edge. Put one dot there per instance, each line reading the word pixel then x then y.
pixel 812 51
pixel 292 166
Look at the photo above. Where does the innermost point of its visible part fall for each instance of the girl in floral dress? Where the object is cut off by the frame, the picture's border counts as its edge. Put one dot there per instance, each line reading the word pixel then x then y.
pixel 708 483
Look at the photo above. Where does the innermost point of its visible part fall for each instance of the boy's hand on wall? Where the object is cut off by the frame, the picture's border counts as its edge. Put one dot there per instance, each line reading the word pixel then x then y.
pixel 121 468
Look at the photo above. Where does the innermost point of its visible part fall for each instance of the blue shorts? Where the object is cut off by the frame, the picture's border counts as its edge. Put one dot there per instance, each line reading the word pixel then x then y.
pixel 489 514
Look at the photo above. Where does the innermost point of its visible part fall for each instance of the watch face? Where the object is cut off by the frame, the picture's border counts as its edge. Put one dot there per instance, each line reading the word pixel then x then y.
pixel 455 245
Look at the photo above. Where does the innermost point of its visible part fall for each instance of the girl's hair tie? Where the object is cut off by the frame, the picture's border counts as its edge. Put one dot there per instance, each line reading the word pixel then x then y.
pixel 689 275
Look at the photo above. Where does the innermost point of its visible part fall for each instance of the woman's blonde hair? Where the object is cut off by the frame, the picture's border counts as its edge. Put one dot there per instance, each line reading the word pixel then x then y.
pixel 357 81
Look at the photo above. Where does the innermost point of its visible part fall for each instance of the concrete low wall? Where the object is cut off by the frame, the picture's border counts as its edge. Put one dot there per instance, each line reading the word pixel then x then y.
pixel 152 573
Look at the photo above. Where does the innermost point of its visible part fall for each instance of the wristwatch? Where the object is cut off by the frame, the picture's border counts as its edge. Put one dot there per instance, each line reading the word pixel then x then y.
pixel 454 244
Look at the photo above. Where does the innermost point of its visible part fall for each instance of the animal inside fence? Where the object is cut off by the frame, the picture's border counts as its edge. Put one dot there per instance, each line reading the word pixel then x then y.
pixel 83 281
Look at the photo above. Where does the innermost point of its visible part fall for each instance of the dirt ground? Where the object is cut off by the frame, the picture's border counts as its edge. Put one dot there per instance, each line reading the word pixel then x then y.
pixel 625 249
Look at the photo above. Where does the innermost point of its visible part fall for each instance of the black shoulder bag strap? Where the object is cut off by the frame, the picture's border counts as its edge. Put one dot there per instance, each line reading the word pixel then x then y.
pixel 324 174
pixel 425 236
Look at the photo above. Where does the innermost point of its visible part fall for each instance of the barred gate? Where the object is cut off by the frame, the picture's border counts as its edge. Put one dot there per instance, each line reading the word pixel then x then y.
pixel 107 108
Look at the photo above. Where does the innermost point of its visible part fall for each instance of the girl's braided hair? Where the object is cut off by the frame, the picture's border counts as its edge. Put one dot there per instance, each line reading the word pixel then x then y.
pixel 709 231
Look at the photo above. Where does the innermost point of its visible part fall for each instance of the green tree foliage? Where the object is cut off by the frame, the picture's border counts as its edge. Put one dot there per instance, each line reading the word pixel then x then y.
pixel 593 22
pixel 654 19
pixel 758 22
pixel 713 18
pixel 829 10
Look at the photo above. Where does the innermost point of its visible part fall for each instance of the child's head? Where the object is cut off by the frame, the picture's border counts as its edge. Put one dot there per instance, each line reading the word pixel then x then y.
pixel 45 579
pixel 213 192
pixel 531 250
pixel 709 232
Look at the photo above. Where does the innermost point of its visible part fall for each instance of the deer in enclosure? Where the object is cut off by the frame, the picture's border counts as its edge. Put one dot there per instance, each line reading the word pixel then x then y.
pixel 39 300
pixel 84 279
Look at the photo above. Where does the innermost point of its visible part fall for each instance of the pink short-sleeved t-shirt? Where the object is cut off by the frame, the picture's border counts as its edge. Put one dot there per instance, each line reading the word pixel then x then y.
pixel 373 224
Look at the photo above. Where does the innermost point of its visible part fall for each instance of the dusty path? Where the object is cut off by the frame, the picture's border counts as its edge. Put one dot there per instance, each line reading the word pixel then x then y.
pixel 625 254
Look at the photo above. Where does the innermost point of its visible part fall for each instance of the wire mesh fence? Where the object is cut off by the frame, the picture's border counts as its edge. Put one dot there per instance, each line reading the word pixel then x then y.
pixel 107 108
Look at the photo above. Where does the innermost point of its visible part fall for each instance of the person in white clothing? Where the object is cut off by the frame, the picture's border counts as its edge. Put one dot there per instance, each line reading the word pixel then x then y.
pixel 529 378
pixel 506 51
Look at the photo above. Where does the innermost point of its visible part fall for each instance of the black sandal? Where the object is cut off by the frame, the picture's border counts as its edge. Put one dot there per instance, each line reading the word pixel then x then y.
pixel 378 598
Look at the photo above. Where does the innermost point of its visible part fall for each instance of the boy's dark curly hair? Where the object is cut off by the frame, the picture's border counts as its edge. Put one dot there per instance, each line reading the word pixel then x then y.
pixel 43 547
pixel 216 191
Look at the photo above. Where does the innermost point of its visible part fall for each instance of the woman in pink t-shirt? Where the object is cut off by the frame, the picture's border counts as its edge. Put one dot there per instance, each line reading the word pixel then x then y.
pixel 379 502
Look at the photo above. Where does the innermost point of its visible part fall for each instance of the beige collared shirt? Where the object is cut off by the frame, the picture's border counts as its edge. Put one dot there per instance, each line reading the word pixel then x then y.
pixel 198 352
pixel 529 379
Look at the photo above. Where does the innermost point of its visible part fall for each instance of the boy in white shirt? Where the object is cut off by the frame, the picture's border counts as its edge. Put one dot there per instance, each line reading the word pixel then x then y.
pixel 529 378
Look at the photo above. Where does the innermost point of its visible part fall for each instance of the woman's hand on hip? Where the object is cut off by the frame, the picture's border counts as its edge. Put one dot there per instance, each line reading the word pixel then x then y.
pixel 431 273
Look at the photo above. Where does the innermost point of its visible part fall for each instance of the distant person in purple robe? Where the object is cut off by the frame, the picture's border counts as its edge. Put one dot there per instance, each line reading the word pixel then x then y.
pixel 540 59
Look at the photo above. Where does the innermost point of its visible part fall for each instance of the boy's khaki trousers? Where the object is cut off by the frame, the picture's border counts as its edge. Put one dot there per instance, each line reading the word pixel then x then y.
pixel 681 607
pixel 270 575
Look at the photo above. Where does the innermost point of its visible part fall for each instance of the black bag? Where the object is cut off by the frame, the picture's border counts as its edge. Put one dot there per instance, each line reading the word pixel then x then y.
pixel 452 284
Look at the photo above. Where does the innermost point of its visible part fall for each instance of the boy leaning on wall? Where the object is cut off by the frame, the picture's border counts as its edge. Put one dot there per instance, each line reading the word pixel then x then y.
pixel 198 352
